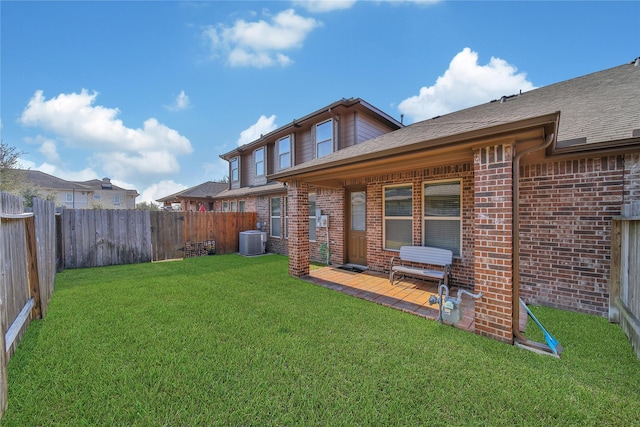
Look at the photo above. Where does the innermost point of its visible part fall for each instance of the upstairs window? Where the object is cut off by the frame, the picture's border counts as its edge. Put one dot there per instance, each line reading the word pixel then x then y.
pixel 284 152
pixel 443 215
pixel 258 156
pixel 234 169
pixel 324 139
pixel 398 216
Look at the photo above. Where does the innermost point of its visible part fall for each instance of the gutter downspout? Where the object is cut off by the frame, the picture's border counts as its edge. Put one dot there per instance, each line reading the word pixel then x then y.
pixel 516 244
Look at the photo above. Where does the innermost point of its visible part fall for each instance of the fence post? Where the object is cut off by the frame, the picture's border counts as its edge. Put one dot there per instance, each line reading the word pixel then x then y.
pixel 32 267
pixel 614 282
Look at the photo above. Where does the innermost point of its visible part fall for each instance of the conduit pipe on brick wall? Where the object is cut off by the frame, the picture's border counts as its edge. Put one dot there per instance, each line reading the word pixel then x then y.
pixel 548 139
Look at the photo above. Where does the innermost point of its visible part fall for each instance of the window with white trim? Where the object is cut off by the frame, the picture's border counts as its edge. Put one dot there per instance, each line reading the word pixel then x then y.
pixel 442 205
pixel 286 217
pixel 284 152
pixel 234 170
pixel 398 216
pixel 233 206
pixel 69 198
pixel 312 217
pixel 276 217
pixel 116 200
pixel 324 138
pixel 242 206
pixel 258 156
pixel 225 206
pixel 96 196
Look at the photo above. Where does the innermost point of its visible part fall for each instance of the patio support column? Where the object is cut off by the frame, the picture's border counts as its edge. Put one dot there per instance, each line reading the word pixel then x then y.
pixel 493 235
pixel 298 194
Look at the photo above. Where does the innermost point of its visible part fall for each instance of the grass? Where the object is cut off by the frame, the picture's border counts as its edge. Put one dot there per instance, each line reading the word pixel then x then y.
pixel 227 340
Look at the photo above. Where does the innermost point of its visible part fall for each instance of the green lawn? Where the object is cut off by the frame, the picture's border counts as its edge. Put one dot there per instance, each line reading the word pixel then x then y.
pixel 227 340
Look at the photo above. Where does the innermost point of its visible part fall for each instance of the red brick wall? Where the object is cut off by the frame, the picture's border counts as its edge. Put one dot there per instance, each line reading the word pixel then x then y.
pixel 632 178
pixel 565 231
pixel 378 258
pixel 493 225
pixel 298 229
pixel 330 202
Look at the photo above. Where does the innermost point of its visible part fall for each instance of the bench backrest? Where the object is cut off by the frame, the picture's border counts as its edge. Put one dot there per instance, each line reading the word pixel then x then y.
pixel 426 255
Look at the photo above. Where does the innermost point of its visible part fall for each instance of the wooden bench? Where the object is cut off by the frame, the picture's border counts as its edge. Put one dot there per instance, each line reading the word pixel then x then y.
pixel 432 257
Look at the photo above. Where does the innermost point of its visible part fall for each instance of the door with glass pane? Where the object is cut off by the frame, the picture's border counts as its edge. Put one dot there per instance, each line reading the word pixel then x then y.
pixel 357 227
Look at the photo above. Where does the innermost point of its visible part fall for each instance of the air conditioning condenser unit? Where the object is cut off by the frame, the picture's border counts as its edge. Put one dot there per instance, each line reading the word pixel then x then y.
pixel 252 242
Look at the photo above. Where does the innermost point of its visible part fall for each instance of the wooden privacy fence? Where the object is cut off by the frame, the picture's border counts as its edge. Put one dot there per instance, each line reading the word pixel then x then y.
pixel 93 238
pixel 101 237
pixel 624 294
pixel 172 231
pixel 27 272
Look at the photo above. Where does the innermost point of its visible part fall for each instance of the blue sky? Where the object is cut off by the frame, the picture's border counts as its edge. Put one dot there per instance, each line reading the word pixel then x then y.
pixel 150 93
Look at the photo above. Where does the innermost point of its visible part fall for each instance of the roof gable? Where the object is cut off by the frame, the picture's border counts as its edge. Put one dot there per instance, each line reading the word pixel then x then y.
pixel 309 119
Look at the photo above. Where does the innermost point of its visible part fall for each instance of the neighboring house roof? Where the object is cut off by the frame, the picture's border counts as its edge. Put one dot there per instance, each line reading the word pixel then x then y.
pixel 252 191
pixel 105 184
pixel 595 110
pixel 44 180
pixel 347 103
pixel 201 191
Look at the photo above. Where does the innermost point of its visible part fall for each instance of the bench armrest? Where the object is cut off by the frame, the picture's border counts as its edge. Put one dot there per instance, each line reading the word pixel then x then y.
pixel 393 260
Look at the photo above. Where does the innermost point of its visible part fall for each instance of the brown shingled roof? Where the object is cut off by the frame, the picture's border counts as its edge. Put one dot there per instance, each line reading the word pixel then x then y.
pixel 597 108
pixel 206 189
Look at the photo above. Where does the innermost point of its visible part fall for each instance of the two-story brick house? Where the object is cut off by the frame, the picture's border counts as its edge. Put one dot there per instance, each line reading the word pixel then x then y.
pixel 342 124
pixel 521 189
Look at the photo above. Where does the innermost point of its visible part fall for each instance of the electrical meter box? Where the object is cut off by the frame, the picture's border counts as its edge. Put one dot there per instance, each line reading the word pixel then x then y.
pixel 451 312
pixel 322 221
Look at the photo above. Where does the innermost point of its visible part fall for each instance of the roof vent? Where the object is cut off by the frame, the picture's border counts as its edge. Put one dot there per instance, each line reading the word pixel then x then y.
pixel 503 100
pixel 106 184
pixel 637 62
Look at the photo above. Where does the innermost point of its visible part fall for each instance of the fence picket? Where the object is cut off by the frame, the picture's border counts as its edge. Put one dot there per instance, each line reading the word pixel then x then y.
pixel 624 299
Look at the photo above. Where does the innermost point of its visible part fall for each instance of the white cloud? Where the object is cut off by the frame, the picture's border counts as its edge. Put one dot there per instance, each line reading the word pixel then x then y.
pixel 321 6
pixel 48 148
pixel 216 170
pixel 121 151
pixel 464 84
pixel 25 164
pixel 262 126
pixel 85 174
pixel 50 151
pixel 130 165
pixel 260 44
pixel 159 190
pixel 182 102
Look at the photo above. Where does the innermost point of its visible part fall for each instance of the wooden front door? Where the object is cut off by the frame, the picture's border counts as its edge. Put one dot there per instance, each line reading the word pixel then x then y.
pixel 357 227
